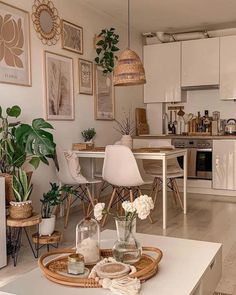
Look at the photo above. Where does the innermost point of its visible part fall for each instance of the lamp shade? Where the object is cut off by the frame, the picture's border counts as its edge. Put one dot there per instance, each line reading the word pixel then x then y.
pixel 129 70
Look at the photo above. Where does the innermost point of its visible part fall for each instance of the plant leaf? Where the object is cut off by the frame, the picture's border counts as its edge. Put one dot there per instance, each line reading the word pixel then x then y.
pixel 114 48
pixel 100 43
pixel 98 50
pixel 14 111
pixel 35 161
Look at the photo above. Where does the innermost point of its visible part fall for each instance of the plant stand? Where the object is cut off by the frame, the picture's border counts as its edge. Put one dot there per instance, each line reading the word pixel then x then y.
pixel 42 241
pixel 16 227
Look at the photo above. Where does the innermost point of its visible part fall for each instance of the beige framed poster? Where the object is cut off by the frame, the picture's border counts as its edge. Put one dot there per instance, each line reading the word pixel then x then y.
pixel 72 37
pixel 59 86
pixel 85 76
pixel 104 95
pixel 15 63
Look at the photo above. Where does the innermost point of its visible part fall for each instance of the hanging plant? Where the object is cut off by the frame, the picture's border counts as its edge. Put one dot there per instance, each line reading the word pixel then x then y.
pixel 106 46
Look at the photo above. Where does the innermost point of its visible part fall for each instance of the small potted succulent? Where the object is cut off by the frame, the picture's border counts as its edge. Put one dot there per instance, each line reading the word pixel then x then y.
pixel 88 134
pixel 22 189
pixel 51 199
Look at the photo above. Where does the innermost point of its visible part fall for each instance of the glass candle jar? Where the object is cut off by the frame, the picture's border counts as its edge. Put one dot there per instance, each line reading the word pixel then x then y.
pixel 88 240
pixel 75 264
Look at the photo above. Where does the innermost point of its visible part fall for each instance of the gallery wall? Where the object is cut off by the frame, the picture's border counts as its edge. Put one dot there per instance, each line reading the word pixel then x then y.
pixel 31 99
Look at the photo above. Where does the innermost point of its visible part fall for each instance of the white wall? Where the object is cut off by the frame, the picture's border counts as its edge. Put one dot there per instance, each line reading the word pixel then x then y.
pixel 31 99
pixel 197 100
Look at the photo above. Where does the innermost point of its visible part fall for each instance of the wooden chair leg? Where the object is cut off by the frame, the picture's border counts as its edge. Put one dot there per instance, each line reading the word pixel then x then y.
pixel 91 202
pixel 156 191
pixel 174 192
pixel 121 211
pixel 68 205
pixel 178 194
pixel 101 189
pixel 109 206
pixel 131 195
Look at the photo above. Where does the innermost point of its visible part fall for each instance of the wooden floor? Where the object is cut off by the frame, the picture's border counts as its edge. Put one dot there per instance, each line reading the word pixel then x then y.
pixel 209 218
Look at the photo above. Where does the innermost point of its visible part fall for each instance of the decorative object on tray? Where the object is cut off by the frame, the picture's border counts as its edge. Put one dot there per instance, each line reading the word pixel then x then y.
pixel 127 249
pixel 46 21
pixel 15 64
pixel 54 197
pixel 59 77
pixel 22 143
pixel 88 240
pixel 22 207
pixel 75 264
pixel 85 76
pixel 72 37
pixel 55 269
pixel 104 95
pixel 126 127
pixel 106 47
pixel 88 134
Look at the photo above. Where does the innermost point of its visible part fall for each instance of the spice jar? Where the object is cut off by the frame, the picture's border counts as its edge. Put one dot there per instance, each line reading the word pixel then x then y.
pixel 88 240
pixel 75 264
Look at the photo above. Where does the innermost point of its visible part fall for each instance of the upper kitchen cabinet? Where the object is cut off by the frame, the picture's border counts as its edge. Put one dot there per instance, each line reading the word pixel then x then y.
pixel 162 67
pixel 200 63
pixel 228 68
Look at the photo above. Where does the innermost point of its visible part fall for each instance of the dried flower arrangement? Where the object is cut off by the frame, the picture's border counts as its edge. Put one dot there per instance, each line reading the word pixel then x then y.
pixel 126 126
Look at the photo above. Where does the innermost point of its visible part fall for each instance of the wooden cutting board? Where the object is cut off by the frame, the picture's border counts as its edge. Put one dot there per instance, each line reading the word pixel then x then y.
pixel 141 121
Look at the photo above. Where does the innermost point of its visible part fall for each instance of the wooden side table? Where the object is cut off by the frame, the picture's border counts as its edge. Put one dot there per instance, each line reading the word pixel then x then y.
pixel 41 241
pixel 16 227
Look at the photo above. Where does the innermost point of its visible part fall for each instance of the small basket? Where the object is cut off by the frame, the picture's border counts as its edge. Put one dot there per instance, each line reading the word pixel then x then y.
pixel 146 267
pixel 20 210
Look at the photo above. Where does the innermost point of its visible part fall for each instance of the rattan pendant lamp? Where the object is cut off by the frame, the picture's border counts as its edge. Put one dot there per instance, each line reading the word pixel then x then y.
pixel 129 69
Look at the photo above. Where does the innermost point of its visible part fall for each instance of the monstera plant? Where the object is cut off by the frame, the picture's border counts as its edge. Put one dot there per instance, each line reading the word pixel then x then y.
pixel 21 143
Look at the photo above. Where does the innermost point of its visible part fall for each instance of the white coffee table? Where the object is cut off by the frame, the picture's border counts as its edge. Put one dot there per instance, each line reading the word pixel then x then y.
pixel 187 267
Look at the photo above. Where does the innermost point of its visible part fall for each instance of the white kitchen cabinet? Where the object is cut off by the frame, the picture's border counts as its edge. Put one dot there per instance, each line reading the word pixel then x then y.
pixel 3 251
pixel 228 68
pixel 162 67
pixel 224 164
pixel 200 62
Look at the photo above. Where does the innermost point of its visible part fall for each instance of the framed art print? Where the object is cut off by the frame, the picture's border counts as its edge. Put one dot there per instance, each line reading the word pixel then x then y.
pixel 59 86
pixel 104 96
pixel 72 37
pixel 15 63
pixel 85 77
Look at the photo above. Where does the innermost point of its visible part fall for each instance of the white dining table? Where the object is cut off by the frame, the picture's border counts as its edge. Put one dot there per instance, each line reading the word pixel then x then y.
pixel 163 155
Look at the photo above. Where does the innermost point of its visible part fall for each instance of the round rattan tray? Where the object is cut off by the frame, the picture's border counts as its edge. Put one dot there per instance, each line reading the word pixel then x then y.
pixel 53 269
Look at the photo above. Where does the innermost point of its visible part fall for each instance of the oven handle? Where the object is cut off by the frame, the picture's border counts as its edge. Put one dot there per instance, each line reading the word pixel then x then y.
pixel 204 150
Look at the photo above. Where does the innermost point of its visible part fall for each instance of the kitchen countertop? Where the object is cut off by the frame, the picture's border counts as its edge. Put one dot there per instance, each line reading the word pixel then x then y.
pixel 163 136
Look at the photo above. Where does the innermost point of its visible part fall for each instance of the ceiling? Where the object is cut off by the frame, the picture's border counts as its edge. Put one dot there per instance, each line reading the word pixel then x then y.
pixel 171 15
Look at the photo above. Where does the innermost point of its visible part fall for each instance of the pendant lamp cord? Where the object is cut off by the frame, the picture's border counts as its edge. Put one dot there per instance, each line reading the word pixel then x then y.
pixel 128 23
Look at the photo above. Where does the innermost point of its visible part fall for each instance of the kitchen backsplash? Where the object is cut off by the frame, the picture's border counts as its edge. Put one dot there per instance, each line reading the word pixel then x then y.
pixel 197 100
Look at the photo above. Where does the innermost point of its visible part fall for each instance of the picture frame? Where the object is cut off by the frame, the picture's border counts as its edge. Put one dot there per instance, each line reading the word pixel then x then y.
pixel 59 86
pixel 85 76
pixel 72 37
pixel 15 59
pixel 104 95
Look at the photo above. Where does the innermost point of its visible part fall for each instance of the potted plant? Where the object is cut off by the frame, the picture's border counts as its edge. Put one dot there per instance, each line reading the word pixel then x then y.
pixel 126 127
pixel 21 143
pixel 51 199
pixel 22 189
pixel 88 134
pixel 106 46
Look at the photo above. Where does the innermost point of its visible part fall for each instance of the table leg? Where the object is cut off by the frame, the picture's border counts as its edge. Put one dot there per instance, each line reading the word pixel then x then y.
pixel 164 195
pixel 185 183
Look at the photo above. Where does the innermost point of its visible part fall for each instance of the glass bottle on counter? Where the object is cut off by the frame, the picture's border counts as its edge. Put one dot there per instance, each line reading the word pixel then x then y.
pixel 88 240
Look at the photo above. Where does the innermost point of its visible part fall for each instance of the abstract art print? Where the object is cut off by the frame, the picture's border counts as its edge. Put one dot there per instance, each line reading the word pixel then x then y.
pixel 104 97
pixel 14 46
pixel 72 37
pixel 59 87
pixel 85 77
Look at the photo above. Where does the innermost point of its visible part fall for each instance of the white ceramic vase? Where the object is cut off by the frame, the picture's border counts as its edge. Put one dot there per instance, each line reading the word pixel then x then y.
pixel 47 226
pixel 127 140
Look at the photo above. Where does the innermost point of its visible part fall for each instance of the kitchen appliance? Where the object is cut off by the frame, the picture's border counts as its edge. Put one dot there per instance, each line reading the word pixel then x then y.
pixel 199 157
pixel 230 127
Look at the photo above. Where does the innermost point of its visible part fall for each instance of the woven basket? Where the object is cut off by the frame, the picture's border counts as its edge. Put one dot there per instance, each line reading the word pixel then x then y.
pixel 20 210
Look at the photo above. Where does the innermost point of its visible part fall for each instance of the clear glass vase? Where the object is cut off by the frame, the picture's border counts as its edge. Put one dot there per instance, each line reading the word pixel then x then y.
pixel 88 240
pixel 127 248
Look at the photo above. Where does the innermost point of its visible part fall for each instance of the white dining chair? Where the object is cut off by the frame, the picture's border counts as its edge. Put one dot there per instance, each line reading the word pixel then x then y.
pixel 69 173
pixel 154 169
pixel 120 169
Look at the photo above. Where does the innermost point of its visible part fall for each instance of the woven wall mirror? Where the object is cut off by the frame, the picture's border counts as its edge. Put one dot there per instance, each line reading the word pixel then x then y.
pixel 46 21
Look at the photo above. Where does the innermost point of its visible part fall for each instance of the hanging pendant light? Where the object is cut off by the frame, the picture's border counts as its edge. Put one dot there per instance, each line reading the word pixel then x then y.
pixel 129 69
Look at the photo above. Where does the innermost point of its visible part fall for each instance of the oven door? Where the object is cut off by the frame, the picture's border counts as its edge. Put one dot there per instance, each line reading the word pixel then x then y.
pixel 204 164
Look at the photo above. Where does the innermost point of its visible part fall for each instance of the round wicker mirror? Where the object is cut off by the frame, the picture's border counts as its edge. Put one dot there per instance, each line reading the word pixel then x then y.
pixel 46 21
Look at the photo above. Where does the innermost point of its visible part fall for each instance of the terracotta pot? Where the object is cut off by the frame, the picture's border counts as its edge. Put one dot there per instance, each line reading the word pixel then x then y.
pixel 20 210
pixel 47 226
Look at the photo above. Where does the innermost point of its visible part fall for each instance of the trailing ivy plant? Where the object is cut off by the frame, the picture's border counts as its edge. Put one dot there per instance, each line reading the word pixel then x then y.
pixel 106 47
